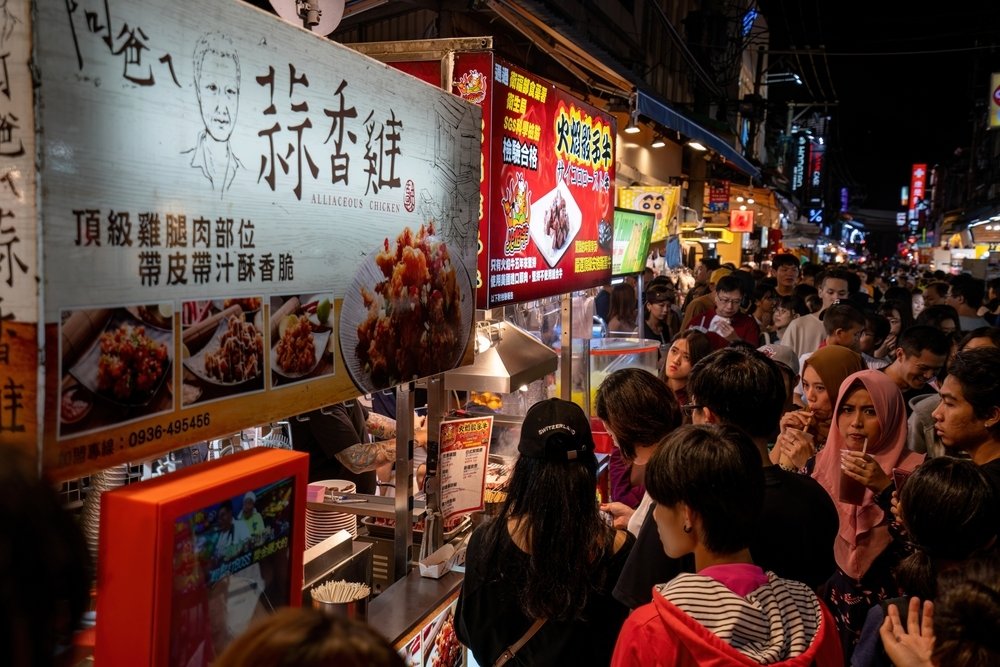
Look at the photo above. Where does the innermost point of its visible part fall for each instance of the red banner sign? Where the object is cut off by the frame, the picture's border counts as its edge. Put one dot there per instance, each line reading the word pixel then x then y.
pixel 551 201
pixel 918 181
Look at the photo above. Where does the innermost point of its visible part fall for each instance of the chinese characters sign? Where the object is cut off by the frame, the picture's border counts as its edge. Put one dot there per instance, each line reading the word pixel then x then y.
pixel 464 448
pixel 229 206
pixel 551 200
pixel 19 296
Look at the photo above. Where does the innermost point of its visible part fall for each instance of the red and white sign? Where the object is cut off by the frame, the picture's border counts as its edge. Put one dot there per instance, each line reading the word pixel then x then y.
pixel 741 221
pixel 918 181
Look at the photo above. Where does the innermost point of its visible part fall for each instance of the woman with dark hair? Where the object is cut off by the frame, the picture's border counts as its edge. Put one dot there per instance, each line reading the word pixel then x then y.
pixel 623 311
pixel 659 320
pixel 787 309
pixel 948 509
pixel 303 637
pixel 686 349
pixel 941 316
pixel 539 576
pixel 709 490
pixel 804 432
pixel 900 318
pixel 622 396
pixel 867 440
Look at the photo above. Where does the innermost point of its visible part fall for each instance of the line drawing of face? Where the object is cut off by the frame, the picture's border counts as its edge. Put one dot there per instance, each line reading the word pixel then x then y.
pixel 217 85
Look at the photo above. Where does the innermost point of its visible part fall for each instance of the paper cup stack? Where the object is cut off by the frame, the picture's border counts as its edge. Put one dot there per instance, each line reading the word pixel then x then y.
pixel 90 516
pixel 321 524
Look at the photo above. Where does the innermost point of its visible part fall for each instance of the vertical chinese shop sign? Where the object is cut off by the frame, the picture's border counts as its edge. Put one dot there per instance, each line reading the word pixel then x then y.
pixel 551 201
pixel 19 370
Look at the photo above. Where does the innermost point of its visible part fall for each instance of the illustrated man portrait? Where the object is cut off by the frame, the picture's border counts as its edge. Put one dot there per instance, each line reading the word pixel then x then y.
pixel 217 85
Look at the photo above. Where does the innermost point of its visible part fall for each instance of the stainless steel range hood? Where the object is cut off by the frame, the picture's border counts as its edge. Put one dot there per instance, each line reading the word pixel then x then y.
pixel 515 359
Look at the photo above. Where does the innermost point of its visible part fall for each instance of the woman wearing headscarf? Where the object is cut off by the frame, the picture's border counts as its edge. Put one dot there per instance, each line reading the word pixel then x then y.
pixel 867 441
pixel 804 432
pixel 539 576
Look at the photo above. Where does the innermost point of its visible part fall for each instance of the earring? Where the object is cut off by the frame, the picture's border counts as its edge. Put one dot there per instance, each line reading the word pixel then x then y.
pixel 687 528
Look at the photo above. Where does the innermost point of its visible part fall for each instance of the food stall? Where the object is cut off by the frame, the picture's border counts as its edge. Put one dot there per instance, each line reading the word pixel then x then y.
pixel 207 212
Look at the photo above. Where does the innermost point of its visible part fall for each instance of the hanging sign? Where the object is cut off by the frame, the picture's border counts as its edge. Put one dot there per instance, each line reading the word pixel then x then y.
pixel 241 220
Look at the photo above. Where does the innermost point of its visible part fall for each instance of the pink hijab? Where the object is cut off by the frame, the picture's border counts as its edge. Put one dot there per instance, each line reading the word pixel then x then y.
pixel 864 533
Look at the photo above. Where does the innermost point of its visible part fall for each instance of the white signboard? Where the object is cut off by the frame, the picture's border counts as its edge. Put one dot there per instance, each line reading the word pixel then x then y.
pixel 254 208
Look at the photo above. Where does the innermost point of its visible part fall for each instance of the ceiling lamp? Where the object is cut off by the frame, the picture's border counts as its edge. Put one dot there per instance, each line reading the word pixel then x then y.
pixel 696 145
pixel 750 200
pixel 658 141
pixel 633 123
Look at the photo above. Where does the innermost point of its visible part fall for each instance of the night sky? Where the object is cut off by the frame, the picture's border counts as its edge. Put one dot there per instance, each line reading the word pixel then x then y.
pixel 893 110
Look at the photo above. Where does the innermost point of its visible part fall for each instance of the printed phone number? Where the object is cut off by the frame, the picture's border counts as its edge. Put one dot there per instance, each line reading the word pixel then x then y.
pixel 176 427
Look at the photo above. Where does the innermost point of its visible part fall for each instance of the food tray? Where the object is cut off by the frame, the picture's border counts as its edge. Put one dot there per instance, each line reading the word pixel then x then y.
pixel 379 530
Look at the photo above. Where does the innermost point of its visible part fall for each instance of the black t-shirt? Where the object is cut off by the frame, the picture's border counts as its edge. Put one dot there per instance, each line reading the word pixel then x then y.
pixel 328 432
pixel 794 539
pixel 489 618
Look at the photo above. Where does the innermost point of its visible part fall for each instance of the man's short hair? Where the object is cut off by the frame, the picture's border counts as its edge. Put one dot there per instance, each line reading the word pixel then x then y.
pixel 849 277
pixel 763 288
pixel 811 270
pixel 969 288
pixel 978 371
pixel 914 340
pixel 729 283
pixel 784 259
pixel 742 387
pixel 710 263
pixel 993 333
pixel 842 316
pixel 715 470
pixel 939 287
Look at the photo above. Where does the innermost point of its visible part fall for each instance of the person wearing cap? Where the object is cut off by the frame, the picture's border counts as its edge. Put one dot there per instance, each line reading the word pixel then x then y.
pixel 250 516
pixel 540 573
pixel 726 322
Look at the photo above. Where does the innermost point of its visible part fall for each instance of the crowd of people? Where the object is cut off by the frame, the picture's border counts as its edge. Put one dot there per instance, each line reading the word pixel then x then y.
pixel 812 478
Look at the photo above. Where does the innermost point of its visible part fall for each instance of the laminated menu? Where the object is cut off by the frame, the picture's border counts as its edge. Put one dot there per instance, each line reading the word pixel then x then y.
pixel 464 446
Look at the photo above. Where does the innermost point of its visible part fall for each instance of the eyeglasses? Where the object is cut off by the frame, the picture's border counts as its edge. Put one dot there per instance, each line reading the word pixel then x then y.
pixel 730 302
pixel 689 408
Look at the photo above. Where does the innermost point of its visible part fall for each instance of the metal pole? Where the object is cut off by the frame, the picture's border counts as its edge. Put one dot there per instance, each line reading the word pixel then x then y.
pixel 403 537
pixel 566 349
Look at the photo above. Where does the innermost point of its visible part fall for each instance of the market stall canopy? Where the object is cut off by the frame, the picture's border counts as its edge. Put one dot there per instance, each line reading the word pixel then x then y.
pixel 513 359
pixel 657 110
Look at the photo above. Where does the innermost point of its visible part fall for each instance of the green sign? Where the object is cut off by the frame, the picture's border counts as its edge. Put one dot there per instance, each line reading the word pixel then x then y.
pixel 631 245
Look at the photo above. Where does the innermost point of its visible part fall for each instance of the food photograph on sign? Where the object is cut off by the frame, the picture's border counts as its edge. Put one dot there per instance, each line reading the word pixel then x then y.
pixel 408 313
pixel 115 365
pixel 302 341
pixel 552 202
pixel 222 346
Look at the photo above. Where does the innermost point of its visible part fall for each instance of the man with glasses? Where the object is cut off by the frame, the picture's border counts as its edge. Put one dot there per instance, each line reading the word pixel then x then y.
pixel 920 356
pixel 726 323
pixel 798 523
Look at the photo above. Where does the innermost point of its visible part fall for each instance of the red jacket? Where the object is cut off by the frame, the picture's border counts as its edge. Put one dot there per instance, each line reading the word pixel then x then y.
pixel 660 634
pixel 744 326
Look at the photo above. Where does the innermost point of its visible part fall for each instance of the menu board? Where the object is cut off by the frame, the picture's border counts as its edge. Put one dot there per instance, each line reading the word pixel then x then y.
pixel 19 270
pixel 552 191
pixel 464 447
pixel 241 220
pixel 631 245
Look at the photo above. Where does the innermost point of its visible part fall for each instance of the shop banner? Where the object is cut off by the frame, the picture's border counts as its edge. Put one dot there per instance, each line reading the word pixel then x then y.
pixel 241 220
pixel 741 221
pixel 718 197
pixel 661 201
pixel 918 181
pixel 19 292
pixel 465 445
pixel 631 245
pixel 551 200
